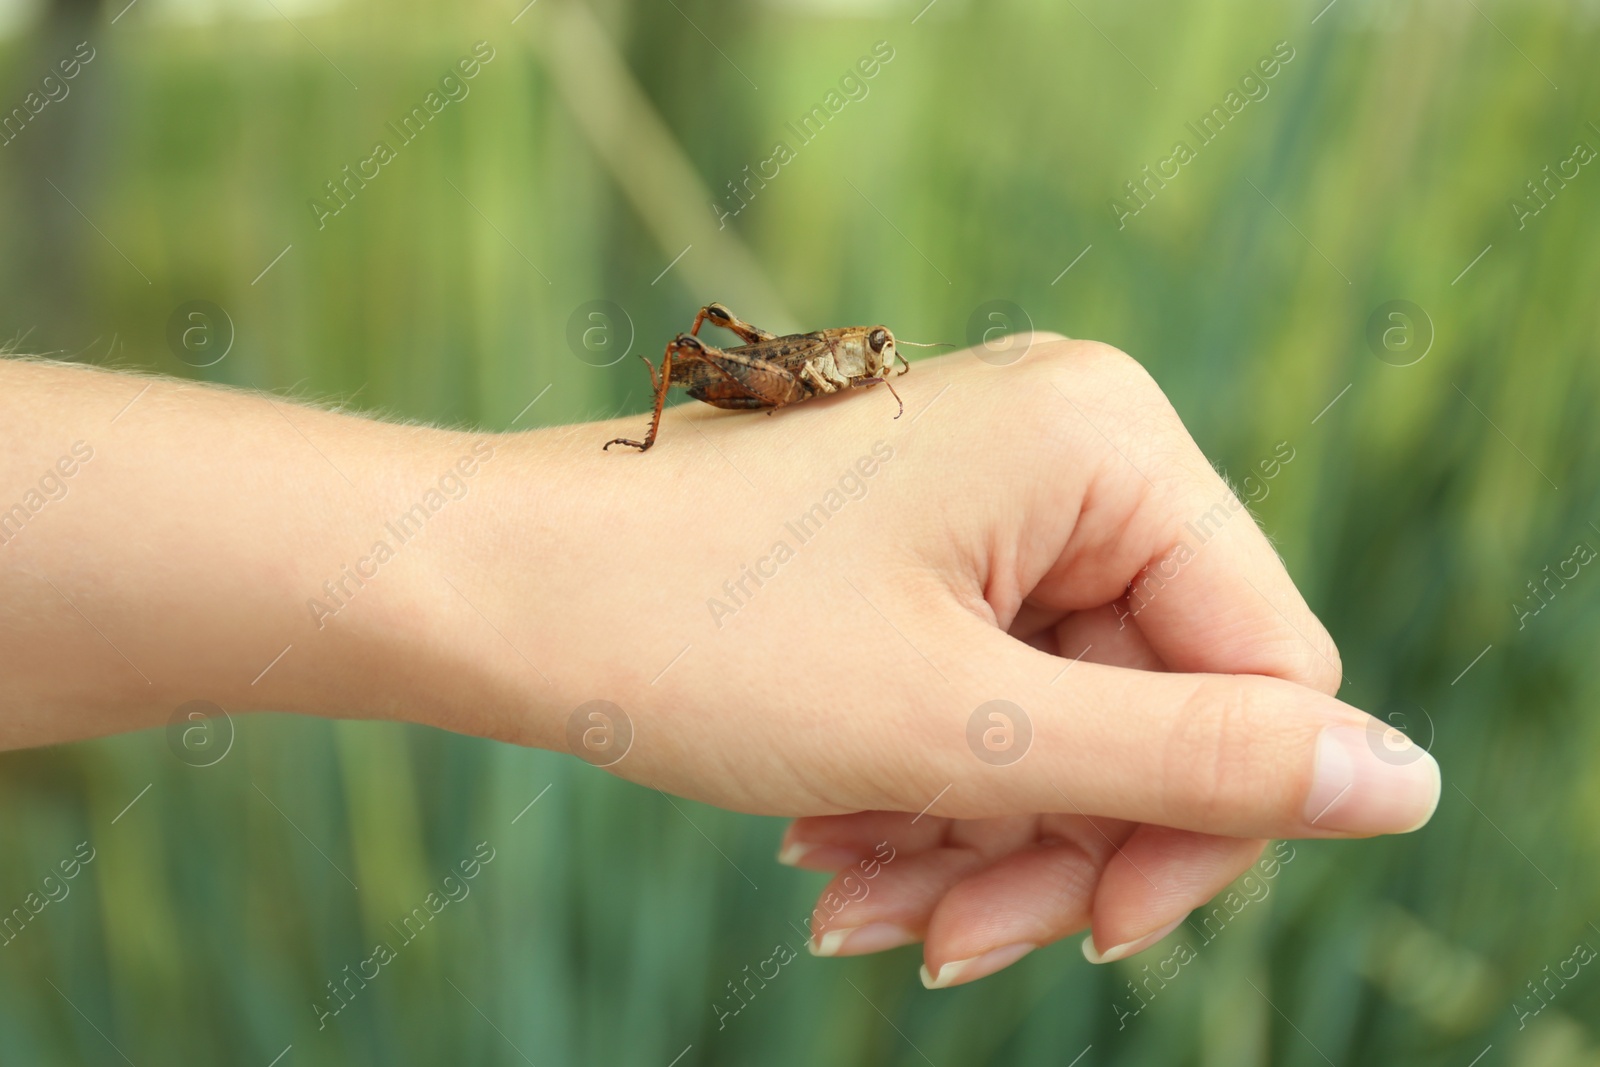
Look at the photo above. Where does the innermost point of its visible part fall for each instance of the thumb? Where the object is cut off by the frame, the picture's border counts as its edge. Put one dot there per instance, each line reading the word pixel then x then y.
pixel 1237 755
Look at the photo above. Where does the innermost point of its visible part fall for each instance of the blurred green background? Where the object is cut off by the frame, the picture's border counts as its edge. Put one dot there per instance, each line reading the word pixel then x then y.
pixel 980 163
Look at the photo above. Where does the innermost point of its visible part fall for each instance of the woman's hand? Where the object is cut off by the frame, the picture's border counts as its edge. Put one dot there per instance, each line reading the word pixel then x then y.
pixel 812 614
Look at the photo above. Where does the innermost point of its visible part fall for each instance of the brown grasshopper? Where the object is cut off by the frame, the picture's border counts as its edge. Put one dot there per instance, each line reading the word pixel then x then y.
pixel 768 371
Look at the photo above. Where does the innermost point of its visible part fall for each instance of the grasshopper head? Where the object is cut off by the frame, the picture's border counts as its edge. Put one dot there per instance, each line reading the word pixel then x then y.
pixel 880 351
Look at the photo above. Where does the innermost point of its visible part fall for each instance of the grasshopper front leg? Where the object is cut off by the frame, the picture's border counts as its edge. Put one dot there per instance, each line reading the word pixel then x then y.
pixel 885 381
pixel 721 316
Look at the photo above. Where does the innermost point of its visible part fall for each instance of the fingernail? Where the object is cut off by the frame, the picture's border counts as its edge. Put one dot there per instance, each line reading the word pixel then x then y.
pixel 791 854
pixel 1371 780
pixel 815 857
pixel 957 972
pixel 860 940
pixel 1123 951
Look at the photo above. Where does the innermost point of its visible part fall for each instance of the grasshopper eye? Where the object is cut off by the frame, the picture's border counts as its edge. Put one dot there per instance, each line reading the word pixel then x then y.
pixel 878 338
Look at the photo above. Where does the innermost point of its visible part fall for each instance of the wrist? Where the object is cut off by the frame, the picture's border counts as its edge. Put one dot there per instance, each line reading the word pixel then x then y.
pixel 463 639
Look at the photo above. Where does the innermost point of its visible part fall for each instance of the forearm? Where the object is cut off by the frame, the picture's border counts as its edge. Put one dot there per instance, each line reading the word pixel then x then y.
pixel 169 542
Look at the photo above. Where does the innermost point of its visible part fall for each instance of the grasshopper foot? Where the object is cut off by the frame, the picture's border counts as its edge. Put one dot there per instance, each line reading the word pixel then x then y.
pixel 885 381
pixel 640 445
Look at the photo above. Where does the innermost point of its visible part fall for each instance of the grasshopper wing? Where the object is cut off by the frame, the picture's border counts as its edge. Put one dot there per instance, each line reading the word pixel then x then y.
pixel 741 379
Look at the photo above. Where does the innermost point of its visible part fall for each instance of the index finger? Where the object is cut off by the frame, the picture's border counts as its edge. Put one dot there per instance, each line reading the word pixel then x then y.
pixel 1196 574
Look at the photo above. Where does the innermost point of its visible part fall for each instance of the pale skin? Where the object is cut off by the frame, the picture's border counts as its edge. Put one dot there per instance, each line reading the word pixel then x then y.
pixel 996 543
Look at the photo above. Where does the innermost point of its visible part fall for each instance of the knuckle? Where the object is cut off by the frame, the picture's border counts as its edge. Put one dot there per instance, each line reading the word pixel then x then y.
pixel 1324 669
pixel 1210 751
pixel 1306 655
pixel 1055 350
pixel 1113 398
pixel 1114 362
pixel 1335 665
pixel 1112 365
pixel 1330 669
pixel 1103 377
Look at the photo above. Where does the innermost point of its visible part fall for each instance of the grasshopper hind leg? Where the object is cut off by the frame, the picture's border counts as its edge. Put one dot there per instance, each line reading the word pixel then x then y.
pixel 688 348
pixel 719 315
